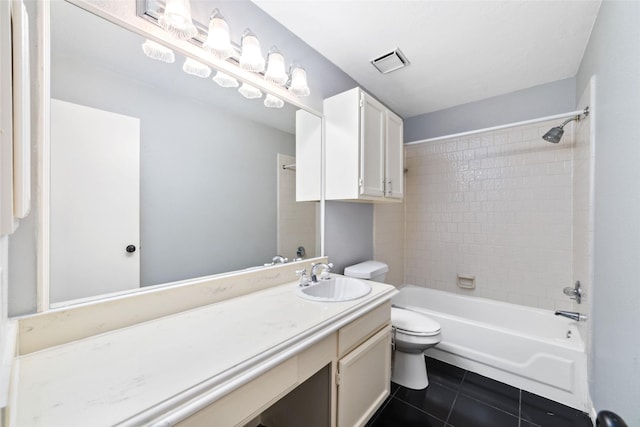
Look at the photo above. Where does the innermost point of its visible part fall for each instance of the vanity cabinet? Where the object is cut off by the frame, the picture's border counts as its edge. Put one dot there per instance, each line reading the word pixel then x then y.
pixel 363 375
pixel 302 389
pixel 364 153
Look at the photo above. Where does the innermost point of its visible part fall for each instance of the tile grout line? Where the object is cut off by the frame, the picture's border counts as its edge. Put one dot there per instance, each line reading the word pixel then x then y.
pixel 519 407
pixel 383 407
pixel 446 422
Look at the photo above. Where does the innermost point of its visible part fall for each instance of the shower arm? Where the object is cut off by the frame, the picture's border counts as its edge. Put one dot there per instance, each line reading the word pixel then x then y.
pixel 577 118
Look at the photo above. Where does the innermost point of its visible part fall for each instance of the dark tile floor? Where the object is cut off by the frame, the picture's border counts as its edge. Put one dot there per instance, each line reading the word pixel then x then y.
pixel 459 398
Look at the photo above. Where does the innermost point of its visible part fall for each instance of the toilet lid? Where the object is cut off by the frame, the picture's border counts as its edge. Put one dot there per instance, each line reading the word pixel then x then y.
pixel 413 323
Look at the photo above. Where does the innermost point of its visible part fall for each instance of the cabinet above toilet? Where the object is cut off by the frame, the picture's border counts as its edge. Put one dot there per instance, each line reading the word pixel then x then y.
pixel 364 152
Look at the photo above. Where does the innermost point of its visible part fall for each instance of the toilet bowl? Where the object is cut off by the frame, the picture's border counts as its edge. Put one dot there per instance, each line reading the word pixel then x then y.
pixel 413 332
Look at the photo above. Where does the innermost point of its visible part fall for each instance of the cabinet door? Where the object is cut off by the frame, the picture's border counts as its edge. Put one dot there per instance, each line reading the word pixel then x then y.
pixel 308 156
pixel 364 380
pixel 394 168
pixel 372 142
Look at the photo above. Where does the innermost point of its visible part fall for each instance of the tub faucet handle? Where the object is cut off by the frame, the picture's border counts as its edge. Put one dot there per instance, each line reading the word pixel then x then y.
pixel 574 292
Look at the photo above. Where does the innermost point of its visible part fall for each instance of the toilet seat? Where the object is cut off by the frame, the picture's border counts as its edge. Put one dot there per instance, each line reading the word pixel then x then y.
pixel 413 323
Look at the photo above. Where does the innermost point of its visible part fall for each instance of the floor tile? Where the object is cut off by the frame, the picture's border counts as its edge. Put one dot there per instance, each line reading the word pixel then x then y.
pixel 400 414
pixel 491 392
pixel 444 374
pixel 468 412
pixel 380 409
pixel 394 387
pixel 436 399
pixel 548 413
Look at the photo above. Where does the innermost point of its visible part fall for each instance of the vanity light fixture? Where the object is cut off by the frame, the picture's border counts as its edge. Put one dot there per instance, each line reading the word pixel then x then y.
pixel 176 19
pixel 299 86
pixel 225 80
pixel 195 68
pixel 276 72
pixel 271 101
pixel 158 52
pixel 251 58
pixel 218 40
pixel 250 92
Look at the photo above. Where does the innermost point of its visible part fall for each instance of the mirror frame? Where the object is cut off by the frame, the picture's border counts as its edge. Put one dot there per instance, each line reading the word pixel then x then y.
pixel 125 15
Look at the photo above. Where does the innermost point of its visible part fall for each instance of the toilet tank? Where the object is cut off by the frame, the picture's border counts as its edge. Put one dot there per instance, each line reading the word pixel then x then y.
pixel 368 270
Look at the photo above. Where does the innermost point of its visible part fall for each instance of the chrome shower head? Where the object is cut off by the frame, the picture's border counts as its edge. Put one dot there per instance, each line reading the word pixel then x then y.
pixel 555 134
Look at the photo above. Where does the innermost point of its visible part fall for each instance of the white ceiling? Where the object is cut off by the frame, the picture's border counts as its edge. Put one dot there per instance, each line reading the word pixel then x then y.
pixel 460 51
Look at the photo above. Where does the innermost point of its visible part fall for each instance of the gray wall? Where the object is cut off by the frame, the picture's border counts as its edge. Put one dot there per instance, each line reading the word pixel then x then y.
pixel 538 101
pixel 348 233
pixel 613 56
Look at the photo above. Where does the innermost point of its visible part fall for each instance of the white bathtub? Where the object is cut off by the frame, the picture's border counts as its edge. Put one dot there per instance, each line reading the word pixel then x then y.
pixel 525 347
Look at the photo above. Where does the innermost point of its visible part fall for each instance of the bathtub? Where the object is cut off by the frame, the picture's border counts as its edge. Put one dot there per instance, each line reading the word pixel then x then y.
pixel 525 347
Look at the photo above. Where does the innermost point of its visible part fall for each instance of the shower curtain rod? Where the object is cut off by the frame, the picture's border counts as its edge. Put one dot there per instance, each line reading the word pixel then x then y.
pixel 507 126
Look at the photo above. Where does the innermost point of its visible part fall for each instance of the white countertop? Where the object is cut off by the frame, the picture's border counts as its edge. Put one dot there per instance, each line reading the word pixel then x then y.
pixel 109 378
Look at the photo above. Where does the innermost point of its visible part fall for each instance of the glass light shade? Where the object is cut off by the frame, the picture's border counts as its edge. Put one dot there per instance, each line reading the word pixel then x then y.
pixel 218 39
pixel 158 52
pixel 176 19
pixel 251 58
pixel 276 72
pixel 250 92
pixel 299 85
pixel 225 80
pixel 196 68
pixel 271 101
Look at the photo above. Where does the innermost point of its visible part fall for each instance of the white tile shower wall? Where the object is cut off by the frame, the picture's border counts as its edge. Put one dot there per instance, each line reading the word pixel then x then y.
pixel 388 239
pixel 297 221
pixel 495 205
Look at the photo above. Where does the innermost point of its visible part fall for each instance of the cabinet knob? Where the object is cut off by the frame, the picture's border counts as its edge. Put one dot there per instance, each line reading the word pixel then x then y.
pixel 130 249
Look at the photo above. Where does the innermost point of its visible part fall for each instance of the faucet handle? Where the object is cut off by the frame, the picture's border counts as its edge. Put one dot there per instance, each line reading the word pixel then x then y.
pixel 325 275
pixel 304 279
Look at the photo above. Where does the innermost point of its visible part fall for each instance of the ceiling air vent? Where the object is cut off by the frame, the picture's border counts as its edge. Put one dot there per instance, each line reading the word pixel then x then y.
pixel 390 61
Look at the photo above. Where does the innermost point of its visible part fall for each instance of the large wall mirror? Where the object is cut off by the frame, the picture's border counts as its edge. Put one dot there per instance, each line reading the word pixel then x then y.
pixel 158 176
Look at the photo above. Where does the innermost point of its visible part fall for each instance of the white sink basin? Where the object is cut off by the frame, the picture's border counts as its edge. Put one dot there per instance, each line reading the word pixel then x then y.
pixel 335 289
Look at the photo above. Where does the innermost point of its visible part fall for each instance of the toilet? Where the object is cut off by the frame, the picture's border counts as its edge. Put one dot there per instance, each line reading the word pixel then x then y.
pixel 413 332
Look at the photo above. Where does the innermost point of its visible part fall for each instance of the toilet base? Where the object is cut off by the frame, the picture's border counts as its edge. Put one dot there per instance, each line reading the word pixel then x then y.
pixel 409 370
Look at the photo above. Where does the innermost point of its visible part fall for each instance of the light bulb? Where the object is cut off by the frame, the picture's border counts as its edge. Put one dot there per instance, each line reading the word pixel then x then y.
pixel 276 72
pixel 176 19
pixel 195 68
pixel 218 39
pixel 299 85
pixel 225 80
pixel 250 92
pixel 271 101
pixel 251 57
pixel 158 52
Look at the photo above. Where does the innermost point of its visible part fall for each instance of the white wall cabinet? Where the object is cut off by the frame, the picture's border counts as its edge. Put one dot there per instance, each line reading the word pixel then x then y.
pixel 308 157
pixel 364 152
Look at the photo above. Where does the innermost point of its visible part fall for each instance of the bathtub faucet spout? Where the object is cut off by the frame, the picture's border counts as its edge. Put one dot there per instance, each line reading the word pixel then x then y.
pixel 572 315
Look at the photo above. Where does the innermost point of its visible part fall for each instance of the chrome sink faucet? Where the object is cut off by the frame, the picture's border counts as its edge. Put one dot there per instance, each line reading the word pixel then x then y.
pixel 571 315
pixel 279 259
pixel 326 268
